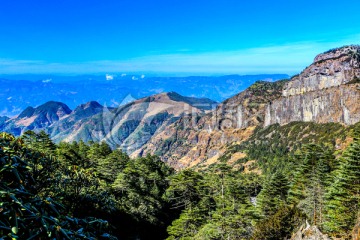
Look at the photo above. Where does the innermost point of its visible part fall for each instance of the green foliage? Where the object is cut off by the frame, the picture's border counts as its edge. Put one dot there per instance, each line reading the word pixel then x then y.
pixel 311 179
pixel 275 146
pixel 109 167
pixel 27 215
pixel 216 205
pixel 186 189
pixel 188 224
pixel 265 88
pixel 343 195
pixel 52 190
pixel 140 186
pixel 273 195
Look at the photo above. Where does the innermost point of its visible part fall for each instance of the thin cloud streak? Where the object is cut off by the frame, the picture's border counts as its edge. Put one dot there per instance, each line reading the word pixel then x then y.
pixel 289 58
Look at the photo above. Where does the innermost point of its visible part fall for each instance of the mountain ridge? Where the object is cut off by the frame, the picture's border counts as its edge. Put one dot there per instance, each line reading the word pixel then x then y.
pixel 92 121
pixel 185 131
pixel 324 92
pixel 16 93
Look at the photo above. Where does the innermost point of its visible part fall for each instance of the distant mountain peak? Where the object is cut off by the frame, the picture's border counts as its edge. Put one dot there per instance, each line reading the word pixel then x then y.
pixel 53 105
pixel 201 103
pixel 75 90
pixel 28 112
pixel 90 104
pixel 168 97
pixel 3 119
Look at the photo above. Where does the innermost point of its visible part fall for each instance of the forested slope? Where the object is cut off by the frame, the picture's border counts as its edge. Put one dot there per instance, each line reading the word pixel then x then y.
pixel 302 172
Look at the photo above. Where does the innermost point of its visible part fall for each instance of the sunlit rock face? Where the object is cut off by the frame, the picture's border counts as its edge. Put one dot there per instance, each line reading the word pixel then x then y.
pixel 326 91
pixel 330 69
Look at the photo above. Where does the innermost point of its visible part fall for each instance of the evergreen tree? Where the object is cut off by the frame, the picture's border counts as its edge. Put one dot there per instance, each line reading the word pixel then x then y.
pixel 273 195
pixel 234 215
pixel 310 180
pixel 279 225
pixel 39 142
pixel 343 196
pixel 140 186
pixel 188 224
pixel 110 166
pixel 44 165
pixel 217 208
pixel 98 151
pixel 186 189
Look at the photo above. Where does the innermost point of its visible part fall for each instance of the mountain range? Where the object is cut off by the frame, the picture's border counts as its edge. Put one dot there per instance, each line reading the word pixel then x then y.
pixel 128 126
pixel 20 91
pixel 189 131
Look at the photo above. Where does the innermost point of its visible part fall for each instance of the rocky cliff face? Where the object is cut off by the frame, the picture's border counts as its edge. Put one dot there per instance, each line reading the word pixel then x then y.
pixel 337 104
pixel 326 91
pixel 333 68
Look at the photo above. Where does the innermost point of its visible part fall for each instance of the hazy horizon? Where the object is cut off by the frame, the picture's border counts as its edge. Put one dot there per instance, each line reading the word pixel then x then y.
pixel 171 37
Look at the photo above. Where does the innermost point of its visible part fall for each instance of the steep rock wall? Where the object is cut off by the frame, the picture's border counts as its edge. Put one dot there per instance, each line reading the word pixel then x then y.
pixel 326 91
pixel 333 68
pixel 338 104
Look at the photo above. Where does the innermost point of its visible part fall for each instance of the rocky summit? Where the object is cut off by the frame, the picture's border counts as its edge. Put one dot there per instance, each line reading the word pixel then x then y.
pixel 326 91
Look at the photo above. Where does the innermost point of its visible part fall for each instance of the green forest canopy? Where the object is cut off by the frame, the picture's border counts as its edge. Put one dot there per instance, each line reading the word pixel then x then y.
pixel 89 191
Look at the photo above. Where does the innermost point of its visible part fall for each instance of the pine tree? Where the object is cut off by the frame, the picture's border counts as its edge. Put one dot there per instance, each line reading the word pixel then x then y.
pixel 186 189
pixel 343 196
pixel 234 214
pixel 273 195
pixel 139 188
pixel 310 180
pixel 110 166
pixel 39 142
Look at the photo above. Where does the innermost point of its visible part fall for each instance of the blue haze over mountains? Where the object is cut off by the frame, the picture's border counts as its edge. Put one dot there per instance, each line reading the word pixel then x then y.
pixel 20 91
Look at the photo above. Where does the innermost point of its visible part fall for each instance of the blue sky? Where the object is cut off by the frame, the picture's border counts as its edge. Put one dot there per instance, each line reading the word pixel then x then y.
pixel 171 36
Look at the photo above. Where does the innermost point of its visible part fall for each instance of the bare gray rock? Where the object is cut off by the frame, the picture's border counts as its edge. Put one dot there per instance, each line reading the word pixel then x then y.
pixel 307 232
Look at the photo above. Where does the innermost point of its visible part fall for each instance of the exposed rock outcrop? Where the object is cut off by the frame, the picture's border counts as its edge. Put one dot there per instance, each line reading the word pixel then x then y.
pixel 337 104
pixel 326 91
pixel 355 234
pixel 307 232
pixel 333 68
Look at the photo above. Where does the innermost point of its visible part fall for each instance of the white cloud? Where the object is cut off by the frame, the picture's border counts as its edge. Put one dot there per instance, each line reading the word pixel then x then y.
pixel 47 80
pixel 109 77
